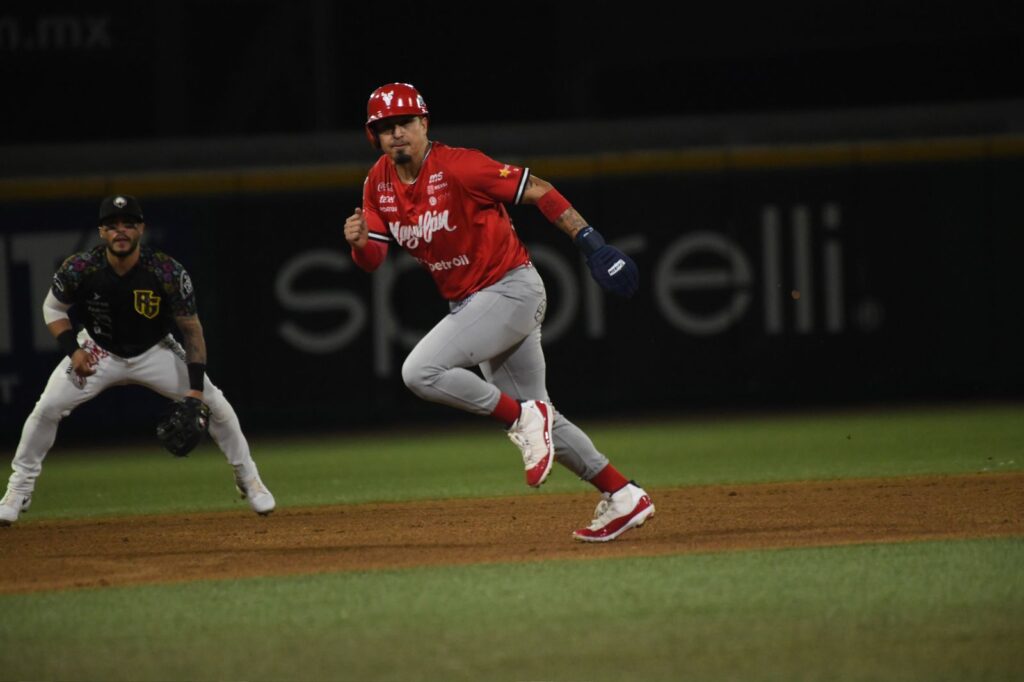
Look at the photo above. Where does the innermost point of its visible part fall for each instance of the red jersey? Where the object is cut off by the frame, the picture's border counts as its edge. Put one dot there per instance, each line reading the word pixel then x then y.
pixel 452 219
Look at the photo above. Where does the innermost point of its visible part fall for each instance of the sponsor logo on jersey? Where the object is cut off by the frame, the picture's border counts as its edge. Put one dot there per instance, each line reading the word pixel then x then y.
pixel 185 285
pixel 388 209
pixel 386 199
pixel 102 318
pixel 460 261
pixel 147 303
pixel 427 225
pixel 384 187
pixel 436 177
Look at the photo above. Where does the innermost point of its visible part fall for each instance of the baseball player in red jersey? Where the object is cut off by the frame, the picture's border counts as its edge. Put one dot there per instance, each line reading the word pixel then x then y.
pixel 446 207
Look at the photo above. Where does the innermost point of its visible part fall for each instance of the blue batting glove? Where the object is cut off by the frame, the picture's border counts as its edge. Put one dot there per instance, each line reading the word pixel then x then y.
pixel 613 270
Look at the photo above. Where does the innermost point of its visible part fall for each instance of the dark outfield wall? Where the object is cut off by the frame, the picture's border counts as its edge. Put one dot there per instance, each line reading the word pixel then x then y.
pixel 775 282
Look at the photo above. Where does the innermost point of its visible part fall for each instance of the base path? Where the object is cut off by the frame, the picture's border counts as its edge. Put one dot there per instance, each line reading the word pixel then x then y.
pixel 65 554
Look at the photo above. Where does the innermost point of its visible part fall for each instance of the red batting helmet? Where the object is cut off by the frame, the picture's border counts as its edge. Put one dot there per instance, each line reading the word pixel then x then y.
pixel 393 99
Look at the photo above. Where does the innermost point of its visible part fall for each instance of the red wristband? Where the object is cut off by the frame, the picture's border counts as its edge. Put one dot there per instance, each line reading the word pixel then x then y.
pixel 553 205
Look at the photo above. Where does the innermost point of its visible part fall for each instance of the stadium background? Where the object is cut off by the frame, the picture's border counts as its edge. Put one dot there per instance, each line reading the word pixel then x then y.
pixel 823 203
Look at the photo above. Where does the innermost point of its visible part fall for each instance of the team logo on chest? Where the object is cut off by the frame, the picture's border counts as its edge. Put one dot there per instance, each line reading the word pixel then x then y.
pixel 426 226
pixel 147 303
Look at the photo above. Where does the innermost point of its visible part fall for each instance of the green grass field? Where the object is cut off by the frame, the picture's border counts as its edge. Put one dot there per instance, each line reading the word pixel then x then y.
pixel 919 611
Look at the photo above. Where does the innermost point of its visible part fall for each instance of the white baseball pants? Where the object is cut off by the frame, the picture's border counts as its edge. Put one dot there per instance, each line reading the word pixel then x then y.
pixel 161 368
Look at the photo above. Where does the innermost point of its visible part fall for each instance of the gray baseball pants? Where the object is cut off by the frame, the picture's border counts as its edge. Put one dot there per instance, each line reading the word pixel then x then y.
pixel 497 329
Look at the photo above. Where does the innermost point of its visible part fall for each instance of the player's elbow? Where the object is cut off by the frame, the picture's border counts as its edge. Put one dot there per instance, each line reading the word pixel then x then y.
pixel 535 189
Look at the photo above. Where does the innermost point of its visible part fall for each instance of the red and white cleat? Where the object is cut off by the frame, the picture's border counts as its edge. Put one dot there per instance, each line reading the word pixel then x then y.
pixel 532 433
pixel 628 507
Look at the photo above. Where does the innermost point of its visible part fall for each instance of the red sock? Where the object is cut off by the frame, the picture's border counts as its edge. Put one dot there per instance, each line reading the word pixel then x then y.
pixel 608 480
pixel 507 410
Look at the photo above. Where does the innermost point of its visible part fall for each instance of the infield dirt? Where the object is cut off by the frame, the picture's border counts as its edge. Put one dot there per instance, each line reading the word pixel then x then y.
pixel 68 554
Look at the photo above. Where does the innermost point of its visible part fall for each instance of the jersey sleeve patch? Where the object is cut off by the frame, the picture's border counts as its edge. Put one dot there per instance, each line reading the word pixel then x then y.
pixel 72 272
pixel 176 283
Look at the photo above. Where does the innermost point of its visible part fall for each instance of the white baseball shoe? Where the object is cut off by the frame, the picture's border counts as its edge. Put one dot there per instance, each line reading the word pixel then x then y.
pixel 628 507
pixel 253 490
pixel 532 433
pixel 12 505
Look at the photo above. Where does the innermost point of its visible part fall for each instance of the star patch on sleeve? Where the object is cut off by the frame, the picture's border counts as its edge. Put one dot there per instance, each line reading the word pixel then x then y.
pixel 505 172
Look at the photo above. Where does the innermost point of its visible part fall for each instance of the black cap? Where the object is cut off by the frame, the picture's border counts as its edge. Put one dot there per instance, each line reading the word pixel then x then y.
pixel 120 205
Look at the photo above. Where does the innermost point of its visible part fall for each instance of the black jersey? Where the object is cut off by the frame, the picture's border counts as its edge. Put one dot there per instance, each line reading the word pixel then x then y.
pixel 128 314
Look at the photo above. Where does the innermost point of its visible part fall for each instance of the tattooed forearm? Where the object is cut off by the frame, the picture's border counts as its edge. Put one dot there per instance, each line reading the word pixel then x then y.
pixel 193 341
pixel 571 222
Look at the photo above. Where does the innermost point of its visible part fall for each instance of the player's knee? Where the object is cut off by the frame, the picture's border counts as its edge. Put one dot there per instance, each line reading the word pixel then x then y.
pixel 412 376
pixel 417 376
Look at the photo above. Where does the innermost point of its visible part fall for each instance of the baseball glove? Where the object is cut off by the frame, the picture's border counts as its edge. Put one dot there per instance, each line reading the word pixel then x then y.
pixel 183 425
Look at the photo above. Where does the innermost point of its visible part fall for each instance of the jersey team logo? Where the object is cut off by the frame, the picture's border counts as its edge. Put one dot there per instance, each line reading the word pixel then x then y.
pixel 426 226
pixel 147 303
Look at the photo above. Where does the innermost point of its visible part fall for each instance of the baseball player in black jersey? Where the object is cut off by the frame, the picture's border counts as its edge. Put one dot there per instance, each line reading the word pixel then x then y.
pixel 128 298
